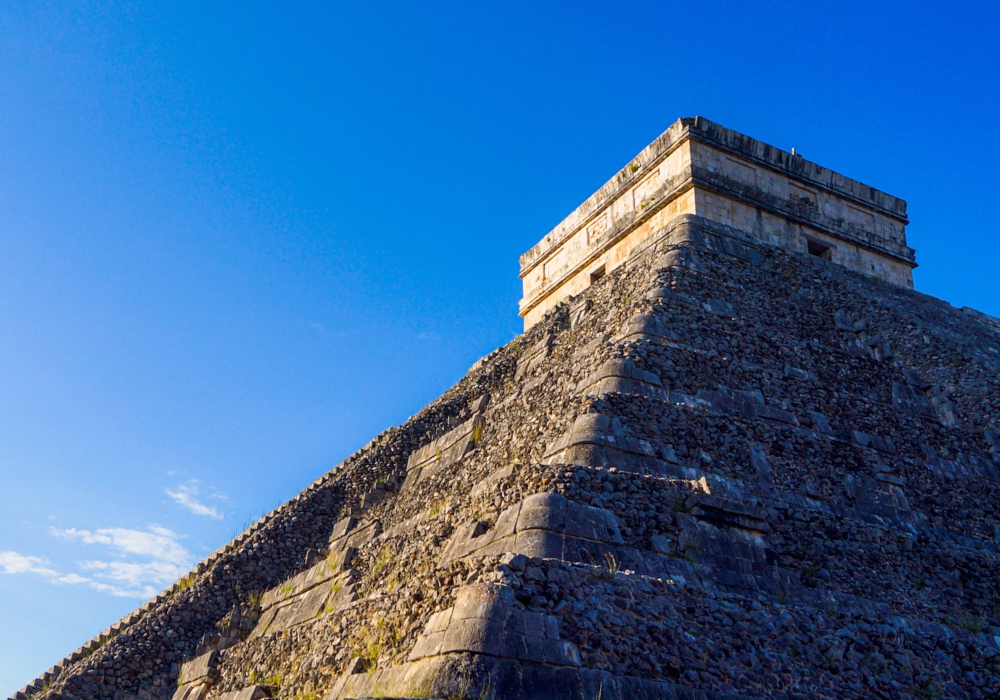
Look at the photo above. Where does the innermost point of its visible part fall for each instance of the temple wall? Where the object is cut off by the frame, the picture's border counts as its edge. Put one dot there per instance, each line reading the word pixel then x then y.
pixel 783 233
pixel 697 167
pixel 568 276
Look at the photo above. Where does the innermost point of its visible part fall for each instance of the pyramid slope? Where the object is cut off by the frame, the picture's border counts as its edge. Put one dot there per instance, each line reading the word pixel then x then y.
pixel 724 468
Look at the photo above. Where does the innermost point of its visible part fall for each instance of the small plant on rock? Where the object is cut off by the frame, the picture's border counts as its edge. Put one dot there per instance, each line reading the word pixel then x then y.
pixel 611 567
pixel 383 559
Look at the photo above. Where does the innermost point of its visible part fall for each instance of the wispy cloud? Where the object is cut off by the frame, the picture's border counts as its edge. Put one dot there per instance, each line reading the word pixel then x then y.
pixel 428 335
pixel 164 560
pixel 14 563
pixel 158 543
pixel 186 495
pixel 141 578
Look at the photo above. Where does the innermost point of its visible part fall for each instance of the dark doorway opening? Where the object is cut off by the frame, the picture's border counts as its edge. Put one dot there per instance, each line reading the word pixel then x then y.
pixel 819 250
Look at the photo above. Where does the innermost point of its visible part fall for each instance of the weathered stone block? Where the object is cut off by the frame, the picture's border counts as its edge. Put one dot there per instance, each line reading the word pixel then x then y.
pixel 253 692
pixel 483 601
pixel 474 635
pixel 199 669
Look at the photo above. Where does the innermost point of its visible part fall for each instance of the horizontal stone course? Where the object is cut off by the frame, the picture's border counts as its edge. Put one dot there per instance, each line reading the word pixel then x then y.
pixel 694 169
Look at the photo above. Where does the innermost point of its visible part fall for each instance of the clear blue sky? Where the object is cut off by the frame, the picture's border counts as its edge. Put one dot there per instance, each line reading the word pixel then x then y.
pixel 239 239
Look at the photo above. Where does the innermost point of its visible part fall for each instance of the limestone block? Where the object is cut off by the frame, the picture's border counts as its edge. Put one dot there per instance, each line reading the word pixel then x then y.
pixel 874 442
pixel 485 621
pixel 983 468
pixel 342 527
pixel 543 511
pixel 758 460
pixel 412 478
pixel 284 615
pixel 743 251
pixel 447 449
pixel 965 467
pixel 428 644
pixel 468 538
pixel 772 413
pixel 253 692
pixel 739 559
pixel 483 601
pixel 749 404
pixel 534 624
pixel 543 525
pixel 650 327
pixel 595 553
pixel 478 404
pixel 264 623
pixel 622 377
pixel 199 669
pixel 514 646
pixel 438 622
pixel 660 544
pixel 590 348
pixel 799 373
pixel 725 512
pixel 345 596
pixel 506 523
pixel 912 400
pixel 595 440
pixel 474 635
pixel 539 543
pixel 340 561
pixel 561 653
pixel 679 257
pixel 821 423
pixel 310 605
pixel 321 572
pixel 944 409
pixel 712 306
pixel 719 308
pixel 192 691
pixel 591 523
pixel 660 293
pixel 361 535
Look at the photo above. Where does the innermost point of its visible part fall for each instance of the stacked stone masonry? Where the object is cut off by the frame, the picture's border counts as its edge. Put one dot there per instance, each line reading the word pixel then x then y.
pixel 724 470
pixel 697 167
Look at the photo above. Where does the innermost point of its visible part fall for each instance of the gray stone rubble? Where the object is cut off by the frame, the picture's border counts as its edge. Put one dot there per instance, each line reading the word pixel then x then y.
pixel 724 471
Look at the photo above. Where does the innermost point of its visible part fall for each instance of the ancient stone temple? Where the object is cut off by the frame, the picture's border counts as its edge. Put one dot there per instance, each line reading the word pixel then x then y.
pixel 734 455
pixel 700 168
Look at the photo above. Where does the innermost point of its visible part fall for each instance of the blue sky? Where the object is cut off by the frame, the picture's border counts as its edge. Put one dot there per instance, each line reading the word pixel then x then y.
pixel 237 240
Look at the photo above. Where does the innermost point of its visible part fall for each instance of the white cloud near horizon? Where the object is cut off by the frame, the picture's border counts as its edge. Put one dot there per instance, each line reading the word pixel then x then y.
pixel 159 543
pixel 186 495
pixel 14 563
pixel 166 560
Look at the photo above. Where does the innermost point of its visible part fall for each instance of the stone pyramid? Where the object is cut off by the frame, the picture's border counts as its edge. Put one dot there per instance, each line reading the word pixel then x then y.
pixel 734 455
